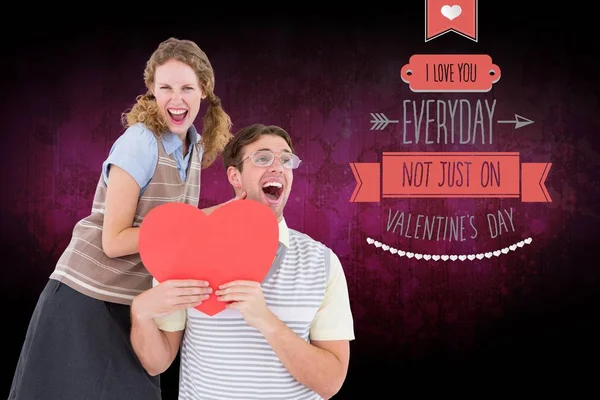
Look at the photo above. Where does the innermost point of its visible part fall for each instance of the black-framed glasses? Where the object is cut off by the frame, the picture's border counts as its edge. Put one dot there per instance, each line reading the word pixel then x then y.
pixel 264 158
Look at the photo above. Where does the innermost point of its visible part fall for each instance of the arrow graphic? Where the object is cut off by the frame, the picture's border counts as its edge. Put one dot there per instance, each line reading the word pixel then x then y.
pixel 380 121
pixel 518 121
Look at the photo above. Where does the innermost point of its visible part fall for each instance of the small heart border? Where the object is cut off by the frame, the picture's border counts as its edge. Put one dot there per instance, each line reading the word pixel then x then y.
pixel 454 257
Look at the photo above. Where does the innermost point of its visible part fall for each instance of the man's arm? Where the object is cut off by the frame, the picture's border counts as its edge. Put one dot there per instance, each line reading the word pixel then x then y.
pixel 158 319
pixel 156 349
pixel 321 365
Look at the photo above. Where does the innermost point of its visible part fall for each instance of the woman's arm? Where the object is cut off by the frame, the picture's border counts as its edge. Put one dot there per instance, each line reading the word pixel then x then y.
pixel 119 237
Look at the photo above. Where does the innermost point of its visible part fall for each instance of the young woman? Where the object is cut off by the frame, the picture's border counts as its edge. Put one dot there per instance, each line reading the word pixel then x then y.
pixel 78 342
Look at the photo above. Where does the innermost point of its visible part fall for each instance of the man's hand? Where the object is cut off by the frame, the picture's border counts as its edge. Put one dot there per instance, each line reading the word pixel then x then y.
pixel 168 297
pixel 247 297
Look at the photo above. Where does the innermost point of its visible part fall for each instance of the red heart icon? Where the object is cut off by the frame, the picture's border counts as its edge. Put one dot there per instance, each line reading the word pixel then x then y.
pixel 238 241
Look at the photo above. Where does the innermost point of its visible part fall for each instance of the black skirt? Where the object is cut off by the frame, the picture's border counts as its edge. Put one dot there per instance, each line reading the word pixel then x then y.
pixel 79 348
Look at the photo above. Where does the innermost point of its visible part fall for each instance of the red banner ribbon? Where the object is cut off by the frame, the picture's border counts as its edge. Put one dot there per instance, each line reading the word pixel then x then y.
pixel 450 175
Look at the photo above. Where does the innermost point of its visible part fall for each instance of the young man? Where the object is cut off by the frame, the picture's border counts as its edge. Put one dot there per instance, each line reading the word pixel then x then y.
pixel 284 338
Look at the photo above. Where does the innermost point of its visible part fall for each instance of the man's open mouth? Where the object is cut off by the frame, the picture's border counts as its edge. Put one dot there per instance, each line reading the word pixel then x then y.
pixel 272 191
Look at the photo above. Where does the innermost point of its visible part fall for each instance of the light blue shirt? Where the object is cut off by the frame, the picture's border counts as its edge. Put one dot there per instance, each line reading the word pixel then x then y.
pixel 136 152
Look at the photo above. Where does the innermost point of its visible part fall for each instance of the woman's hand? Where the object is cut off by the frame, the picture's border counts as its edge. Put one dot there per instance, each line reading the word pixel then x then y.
pixel 240 196
pixel 209 210
pixel 168 297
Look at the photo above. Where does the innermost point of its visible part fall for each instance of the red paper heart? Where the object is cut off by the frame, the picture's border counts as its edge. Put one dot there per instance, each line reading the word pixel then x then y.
pixel 238 241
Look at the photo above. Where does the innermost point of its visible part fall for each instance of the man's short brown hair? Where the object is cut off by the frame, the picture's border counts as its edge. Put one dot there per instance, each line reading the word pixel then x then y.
pixel 232 154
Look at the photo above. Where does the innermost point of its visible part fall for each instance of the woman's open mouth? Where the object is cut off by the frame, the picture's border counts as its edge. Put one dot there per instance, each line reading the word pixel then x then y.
pixel 177 115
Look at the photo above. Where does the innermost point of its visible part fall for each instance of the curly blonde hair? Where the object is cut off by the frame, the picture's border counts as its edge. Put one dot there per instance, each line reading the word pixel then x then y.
pixel 216 123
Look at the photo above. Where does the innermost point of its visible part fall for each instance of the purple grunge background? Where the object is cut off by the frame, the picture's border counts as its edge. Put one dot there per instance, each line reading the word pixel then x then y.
pixel 64 92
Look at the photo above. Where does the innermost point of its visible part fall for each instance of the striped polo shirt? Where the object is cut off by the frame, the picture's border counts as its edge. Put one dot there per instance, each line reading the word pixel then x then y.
pixel 222 357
